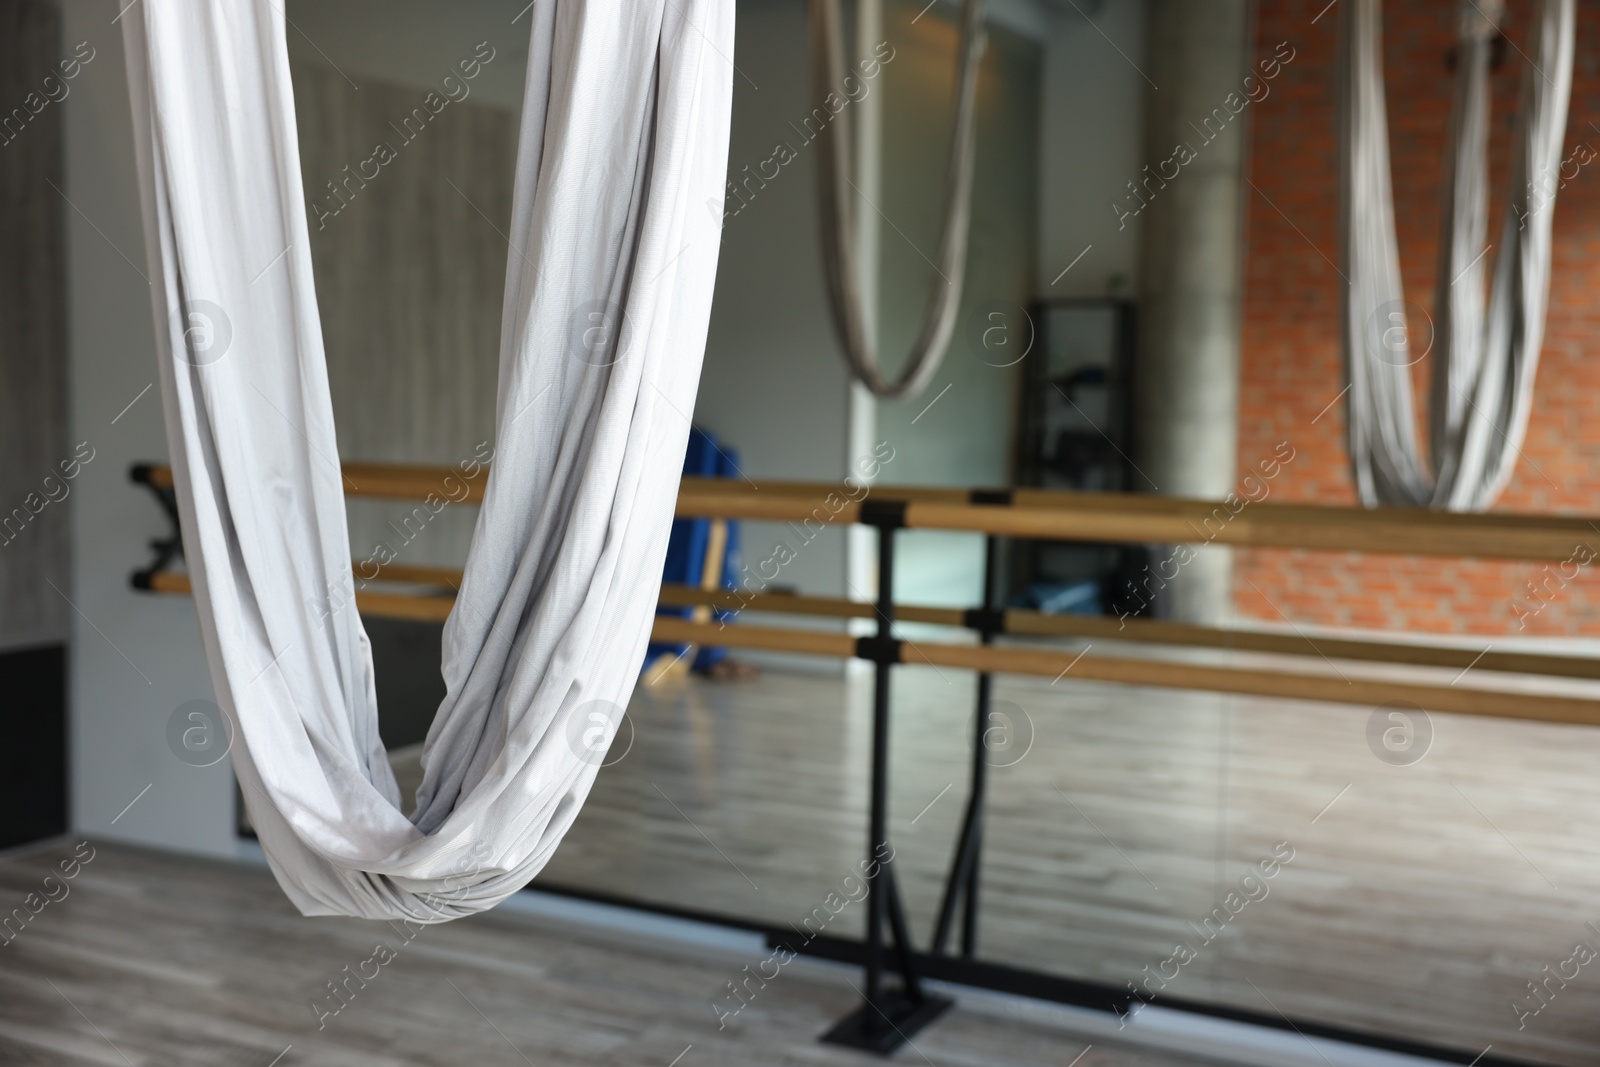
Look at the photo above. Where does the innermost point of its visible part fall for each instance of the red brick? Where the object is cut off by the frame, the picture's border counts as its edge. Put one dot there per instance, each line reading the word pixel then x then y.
pixel 1290 360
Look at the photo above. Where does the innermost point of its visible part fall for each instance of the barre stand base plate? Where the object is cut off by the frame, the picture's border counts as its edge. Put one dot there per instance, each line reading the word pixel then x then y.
pixel 885 1028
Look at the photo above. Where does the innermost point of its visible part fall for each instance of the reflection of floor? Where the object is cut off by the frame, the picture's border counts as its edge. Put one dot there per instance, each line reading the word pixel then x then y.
pixel 1420 901
pixel 158 959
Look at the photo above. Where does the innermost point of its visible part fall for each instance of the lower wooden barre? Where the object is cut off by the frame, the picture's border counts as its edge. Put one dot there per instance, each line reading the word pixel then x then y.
pixel 1153 631
pixel 683 596
pixel 401 482
pixel 401 606
pixel 1050 664
pixel 1166 675
pixel 1019 622
pixel 767 638
pixel 382 605
pixel 1246 682
pixel 413 573
pixel 1150 631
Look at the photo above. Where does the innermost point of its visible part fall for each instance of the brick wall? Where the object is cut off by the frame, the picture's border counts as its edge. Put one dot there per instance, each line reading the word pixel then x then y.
pixel 1291 363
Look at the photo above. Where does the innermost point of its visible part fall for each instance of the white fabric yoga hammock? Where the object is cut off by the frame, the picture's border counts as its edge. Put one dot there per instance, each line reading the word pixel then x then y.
pixel 1485 357
pixel 623 147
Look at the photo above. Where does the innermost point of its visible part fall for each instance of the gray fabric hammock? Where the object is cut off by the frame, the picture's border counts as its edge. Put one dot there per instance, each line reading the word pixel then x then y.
pixel 1486 353
pixel 837 196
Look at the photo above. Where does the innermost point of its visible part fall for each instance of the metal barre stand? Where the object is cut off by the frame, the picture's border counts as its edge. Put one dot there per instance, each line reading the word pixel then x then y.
pixel 887 1018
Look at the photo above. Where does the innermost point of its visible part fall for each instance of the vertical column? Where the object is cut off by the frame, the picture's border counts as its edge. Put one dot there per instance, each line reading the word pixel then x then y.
pixel 1190 200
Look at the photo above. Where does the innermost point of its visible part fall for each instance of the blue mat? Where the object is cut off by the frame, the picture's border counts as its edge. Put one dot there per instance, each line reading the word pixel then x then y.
pixel 686 547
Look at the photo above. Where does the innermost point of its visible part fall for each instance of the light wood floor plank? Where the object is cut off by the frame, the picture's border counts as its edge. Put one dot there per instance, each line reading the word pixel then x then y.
pixel 163 960
pixel 1418 905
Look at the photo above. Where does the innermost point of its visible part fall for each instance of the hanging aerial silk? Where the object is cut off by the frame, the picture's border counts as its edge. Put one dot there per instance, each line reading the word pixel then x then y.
pixel 1485 355
pixel 837 197
pixel 612 257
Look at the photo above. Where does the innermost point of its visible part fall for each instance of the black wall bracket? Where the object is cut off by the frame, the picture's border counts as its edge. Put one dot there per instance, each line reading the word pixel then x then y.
pixel 167 548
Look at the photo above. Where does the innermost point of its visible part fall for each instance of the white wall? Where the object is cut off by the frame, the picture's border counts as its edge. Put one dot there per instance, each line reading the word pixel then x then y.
pixel 1091 145
pixel 135 657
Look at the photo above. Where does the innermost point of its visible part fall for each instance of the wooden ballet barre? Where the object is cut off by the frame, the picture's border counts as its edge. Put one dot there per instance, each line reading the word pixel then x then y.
pixel 381 605
pixel 1080 666
pixel 413 574
pixel 1395 531
pixel 383 481
pixel 1070 516
pixel 1144 504
pixel 1013 621
pixel 1087 667
pixel 683 596
pixel 1022 622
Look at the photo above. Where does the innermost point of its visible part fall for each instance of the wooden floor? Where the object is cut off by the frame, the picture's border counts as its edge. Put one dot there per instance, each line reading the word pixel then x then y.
pixel 165 961
pixel 1420 902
